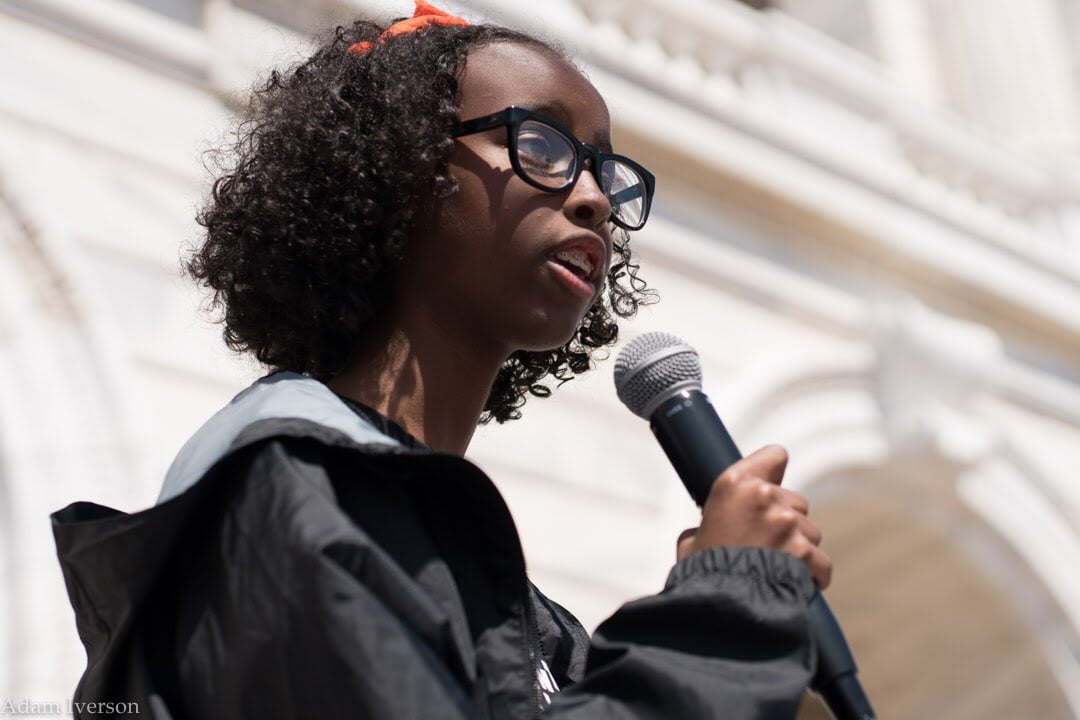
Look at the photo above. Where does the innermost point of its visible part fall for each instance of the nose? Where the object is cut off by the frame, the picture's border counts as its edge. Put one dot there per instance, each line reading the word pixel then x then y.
pixel 587 202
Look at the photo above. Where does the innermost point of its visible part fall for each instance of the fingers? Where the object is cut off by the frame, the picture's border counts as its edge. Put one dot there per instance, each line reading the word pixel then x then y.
pixel 809 530
pixel 802 546
pixel 795 501
pixel 748 506
pixel 787 525
pixel 820 565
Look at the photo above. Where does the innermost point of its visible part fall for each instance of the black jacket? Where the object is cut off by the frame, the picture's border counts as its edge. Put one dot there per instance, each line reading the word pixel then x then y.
pixel 311 569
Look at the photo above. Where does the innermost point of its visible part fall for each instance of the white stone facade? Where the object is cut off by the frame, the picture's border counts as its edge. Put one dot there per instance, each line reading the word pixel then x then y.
pixel 867 221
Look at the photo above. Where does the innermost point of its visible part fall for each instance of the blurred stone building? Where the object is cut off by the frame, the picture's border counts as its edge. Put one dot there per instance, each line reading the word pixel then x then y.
pixel 867 221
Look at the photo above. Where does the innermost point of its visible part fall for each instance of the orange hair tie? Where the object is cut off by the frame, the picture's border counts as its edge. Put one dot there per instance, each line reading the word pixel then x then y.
pixel 423 16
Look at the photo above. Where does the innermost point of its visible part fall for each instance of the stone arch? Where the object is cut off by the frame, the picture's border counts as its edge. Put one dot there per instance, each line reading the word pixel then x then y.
pixel 921 490
pixel 62 432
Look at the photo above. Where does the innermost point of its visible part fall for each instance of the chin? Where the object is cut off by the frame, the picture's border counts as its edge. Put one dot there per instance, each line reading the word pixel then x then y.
pixel 544 346
pixel 548 331
pixel 548 341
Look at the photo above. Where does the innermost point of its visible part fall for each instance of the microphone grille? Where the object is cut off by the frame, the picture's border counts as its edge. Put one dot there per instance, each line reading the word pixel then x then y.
pixel 651 368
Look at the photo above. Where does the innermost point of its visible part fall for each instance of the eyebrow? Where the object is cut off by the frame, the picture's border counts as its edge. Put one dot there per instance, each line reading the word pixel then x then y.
pixel 556 111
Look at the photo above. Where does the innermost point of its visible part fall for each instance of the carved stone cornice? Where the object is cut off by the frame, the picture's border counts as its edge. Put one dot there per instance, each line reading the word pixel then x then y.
pixel 774 78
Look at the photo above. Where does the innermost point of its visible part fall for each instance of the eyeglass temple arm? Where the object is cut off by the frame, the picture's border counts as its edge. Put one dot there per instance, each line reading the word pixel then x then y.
pixel 626 194
pixel 479 124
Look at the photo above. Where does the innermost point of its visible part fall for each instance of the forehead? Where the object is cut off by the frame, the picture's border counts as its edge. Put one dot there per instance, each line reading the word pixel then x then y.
pixel 505 73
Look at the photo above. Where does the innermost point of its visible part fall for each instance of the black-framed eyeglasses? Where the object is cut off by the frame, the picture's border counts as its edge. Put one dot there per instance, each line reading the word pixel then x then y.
pixel 548 156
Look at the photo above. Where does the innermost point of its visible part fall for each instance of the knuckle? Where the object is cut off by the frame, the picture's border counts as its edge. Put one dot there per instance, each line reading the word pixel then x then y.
pixel 733 476
pixel 803 550
pixel 787 519
pixel 724 483
pixel 764 493
pixel 782 517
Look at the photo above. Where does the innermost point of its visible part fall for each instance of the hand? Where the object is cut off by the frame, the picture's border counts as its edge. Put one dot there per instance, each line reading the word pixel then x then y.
pixel 747 506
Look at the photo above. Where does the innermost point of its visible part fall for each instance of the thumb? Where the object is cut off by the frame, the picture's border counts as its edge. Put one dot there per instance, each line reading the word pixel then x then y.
pixel 685 544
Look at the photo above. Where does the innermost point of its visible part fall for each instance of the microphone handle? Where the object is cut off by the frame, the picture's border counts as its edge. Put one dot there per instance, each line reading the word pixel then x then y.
pixel 700 449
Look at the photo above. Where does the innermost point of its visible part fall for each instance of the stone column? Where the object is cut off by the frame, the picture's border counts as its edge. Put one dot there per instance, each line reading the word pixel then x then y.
pixel 905 46
pixel 1005 64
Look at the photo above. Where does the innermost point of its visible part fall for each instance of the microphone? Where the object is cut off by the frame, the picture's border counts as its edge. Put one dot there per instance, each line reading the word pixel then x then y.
pixel 658 377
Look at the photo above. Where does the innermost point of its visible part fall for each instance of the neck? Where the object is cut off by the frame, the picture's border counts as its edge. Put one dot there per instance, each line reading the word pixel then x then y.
pixel 428 383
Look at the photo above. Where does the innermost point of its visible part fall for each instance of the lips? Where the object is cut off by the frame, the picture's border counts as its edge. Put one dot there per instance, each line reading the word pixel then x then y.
pixel 584 256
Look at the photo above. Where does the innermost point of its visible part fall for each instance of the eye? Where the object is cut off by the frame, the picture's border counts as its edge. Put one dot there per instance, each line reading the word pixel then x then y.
pixel 544 152
pixel 540 150
pixel 535 149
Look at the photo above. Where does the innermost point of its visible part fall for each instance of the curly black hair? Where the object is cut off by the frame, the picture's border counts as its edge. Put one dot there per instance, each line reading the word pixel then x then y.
pixel 330 165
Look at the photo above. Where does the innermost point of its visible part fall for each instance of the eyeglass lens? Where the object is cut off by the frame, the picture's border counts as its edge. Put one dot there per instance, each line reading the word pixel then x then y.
pixel 625 190
pixel 545 154
pixel 549 158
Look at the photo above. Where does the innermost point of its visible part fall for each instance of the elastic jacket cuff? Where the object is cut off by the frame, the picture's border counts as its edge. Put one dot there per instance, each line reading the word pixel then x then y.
pixel 771 572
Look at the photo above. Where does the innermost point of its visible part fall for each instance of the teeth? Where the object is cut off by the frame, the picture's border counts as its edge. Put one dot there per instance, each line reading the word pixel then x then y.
pixel 577 258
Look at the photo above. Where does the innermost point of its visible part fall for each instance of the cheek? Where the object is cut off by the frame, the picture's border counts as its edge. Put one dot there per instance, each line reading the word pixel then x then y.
pixel 491 196
pixel 458 212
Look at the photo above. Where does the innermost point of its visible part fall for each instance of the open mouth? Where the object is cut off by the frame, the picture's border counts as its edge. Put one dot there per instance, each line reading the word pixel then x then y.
pixel 576 261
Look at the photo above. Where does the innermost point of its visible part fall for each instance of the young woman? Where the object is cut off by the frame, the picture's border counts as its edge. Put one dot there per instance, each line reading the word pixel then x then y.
pixel 419 225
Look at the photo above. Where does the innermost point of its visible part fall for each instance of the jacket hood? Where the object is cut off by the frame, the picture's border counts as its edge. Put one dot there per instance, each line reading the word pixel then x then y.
pixel 111 560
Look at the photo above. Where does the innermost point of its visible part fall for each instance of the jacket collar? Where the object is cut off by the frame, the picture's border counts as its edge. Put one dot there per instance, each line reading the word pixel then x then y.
pixel 283 395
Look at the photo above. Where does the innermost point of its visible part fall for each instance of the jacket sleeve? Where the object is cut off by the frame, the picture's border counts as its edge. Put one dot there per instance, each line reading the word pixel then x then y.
pixel 727 638
pixel 286 608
